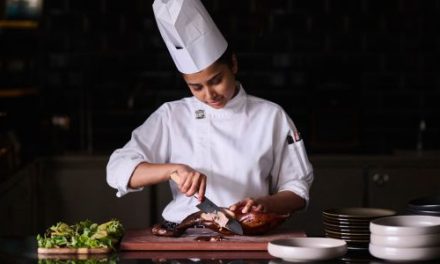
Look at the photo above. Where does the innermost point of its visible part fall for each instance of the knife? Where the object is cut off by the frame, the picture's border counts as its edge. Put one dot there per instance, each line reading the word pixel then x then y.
pixel 208 206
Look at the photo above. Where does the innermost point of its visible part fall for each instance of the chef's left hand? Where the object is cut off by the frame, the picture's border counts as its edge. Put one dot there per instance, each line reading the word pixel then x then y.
pixel 248 204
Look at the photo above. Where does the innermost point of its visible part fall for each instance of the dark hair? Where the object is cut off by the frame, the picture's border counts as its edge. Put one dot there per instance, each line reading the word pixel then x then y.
pixel 226 57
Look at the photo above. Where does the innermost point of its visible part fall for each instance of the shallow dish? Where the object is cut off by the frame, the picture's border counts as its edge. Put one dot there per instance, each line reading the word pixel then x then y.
pixel 346 221
pixel 357 246
pixel 428 203
pixel 307 248
pixel 360 213
pixel 404 254
pixel 340 227
pixel 422 212
pixel 431 240
pixel 349 239
pixel 348 231
pixel 405 225
pixel 348 234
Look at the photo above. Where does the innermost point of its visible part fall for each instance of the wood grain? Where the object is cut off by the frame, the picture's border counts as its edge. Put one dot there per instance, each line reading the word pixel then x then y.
pixel 73 250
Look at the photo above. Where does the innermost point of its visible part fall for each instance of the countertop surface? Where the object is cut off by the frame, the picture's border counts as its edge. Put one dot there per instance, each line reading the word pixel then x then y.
pixel 24 250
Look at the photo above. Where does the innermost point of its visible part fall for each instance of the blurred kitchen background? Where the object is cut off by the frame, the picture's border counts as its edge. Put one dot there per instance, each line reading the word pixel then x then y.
pixel 360 78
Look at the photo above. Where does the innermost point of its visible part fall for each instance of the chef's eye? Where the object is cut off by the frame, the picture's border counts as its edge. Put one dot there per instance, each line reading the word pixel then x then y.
pixel 216 80
pixel 196 88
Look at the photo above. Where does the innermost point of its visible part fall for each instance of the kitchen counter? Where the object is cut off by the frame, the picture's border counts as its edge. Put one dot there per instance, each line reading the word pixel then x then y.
pixel 24 250
pixel 367 181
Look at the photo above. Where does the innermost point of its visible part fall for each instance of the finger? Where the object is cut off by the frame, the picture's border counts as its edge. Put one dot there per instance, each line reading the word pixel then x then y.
pixel 186 183
pixel 247 207
pixel 196 185
pixel 236 205
pixel 258 207
pixel 193 184
pixel 242 203
pixel 202 188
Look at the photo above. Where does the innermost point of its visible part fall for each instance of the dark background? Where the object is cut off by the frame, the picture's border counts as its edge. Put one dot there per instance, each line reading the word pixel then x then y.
pixel 356 76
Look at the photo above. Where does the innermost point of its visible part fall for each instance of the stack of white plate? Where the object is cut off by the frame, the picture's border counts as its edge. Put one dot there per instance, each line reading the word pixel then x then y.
pixel 405 238
pixel 427 205
pixel 352 224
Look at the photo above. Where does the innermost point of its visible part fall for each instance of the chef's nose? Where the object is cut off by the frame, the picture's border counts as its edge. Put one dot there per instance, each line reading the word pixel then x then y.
pixel 210 93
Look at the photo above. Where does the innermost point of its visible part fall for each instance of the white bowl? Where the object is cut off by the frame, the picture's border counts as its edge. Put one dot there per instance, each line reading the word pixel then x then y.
pixel 431 240
pixel 404 254
pixel 307 248
pixel 404 225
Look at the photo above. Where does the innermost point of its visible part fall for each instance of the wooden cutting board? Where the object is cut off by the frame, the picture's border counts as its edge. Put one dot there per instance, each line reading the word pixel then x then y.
pixel 74 250
pixel 143 239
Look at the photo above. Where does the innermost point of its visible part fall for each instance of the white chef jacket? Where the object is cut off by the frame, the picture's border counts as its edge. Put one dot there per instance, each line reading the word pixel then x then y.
pixel 243 149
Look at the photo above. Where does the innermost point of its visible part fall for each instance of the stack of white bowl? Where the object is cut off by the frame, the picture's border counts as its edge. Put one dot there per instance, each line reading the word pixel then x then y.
pixel 405 238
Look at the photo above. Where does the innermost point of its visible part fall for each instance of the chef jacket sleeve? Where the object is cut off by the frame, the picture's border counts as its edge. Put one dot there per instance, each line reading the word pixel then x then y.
pixel 292 170
pixel 148 143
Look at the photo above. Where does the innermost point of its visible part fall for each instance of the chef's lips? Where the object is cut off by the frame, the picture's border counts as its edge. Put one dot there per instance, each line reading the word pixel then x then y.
pixel 208 206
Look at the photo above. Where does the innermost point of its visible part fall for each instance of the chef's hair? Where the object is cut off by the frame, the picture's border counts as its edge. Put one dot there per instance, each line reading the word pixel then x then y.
pixel 226 57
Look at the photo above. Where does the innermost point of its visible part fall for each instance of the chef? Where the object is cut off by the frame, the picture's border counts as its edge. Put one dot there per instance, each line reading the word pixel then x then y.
pixel 235 148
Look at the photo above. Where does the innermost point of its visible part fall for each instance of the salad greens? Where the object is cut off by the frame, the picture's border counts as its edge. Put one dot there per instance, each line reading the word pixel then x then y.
pixel 84 234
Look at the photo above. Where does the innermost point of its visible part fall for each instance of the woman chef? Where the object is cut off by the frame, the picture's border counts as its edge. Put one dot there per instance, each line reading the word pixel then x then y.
pixel 223 143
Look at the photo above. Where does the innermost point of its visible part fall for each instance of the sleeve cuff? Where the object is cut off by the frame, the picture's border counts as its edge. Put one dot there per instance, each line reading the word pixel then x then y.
pixel 124 174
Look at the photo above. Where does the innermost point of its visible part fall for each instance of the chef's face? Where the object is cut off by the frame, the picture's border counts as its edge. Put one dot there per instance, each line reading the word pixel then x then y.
pixel 215 85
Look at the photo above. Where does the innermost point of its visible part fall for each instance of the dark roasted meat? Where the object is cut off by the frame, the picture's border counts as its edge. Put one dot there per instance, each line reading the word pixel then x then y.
pixel 253 223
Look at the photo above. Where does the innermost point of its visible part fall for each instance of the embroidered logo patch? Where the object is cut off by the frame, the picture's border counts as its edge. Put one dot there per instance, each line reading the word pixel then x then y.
pixel 200 114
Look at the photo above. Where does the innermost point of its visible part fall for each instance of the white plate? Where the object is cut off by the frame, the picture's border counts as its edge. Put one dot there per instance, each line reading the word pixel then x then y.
pixel 357 213
pixel 422 212
pixel 428 203
pixel 404 225
pixel 404 254
pixel 307 248
pixel 431 240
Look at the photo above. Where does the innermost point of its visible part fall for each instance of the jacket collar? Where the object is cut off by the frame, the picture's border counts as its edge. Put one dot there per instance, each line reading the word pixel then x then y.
pixel 234 106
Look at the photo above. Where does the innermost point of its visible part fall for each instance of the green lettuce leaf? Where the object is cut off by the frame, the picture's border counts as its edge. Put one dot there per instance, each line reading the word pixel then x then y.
pixel 84 234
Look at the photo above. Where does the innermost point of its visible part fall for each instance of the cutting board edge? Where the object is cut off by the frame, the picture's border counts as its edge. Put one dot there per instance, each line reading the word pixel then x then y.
pixel 143 240
pixel 202 246
pixel 76 251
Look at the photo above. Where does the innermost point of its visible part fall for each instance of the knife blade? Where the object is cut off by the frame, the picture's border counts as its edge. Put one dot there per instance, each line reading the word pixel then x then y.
pixel 208 206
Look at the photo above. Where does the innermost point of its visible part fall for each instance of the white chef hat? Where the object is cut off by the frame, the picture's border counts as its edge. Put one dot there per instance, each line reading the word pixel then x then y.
pixel 190 34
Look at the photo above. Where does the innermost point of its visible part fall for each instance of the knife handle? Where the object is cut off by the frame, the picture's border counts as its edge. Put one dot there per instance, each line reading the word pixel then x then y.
pixel 175 177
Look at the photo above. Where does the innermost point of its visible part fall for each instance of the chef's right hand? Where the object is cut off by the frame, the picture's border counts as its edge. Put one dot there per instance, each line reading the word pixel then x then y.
pixel 190 181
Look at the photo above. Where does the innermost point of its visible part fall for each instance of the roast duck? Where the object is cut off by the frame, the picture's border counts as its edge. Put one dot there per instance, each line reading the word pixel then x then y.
pixel 253 223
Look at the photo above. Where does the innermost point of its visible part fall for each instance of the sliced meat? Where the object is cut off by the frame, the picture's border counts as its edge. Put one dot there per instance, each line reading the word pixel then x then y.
pixel 253 222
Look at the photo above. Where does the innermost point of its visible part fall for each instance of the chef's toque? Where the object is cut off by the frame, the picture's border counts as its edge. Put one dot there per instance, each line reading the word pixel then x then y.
pixel 190 34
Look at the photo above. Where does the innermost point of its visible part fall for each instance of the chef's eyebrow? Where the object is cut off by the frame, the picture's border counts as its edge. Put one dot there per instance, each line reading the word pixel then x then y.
pixel 209 80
